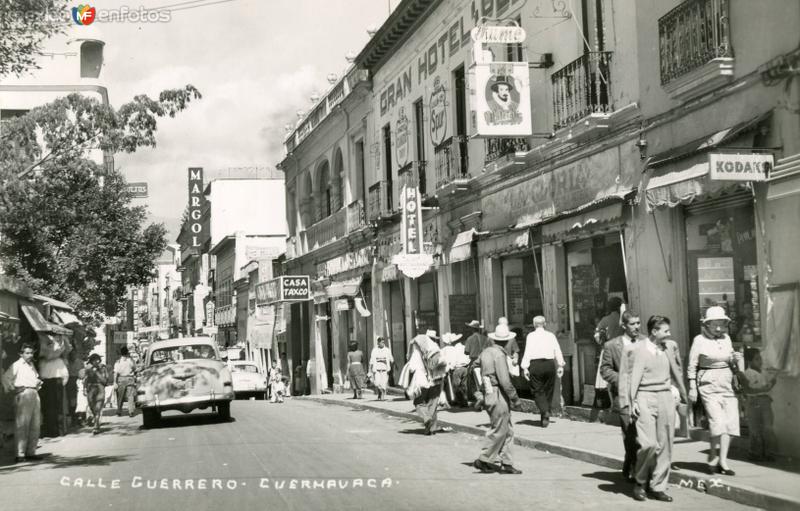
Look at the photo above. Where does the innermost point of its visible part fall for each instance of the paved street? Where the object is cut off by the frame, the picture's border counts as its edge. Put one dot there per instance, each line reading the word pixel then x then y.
pixel 294 450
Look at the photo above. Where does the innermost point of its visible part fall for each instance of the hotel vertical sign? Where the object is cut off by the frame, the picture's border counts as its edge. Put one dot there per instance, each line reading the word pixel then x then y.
pixel 412 259
pixel 196 202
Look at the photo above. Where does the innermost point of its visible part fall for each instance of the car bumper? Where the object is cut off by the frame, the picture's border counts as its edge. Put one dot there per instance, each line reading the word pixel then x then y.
pixel 187 403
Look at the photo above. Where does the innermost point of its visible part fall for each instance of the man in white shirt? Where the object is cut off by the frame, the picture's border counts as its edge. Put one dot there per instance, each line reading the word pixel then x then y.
pixel 124 382
pixel 542 355
pixel 23 379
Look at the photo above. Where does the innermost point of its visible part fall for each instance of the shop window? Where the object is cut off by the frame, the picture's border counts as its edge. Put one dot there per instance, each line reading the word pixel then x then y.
pixel 426 316
pixel 722 265
pixel 522 294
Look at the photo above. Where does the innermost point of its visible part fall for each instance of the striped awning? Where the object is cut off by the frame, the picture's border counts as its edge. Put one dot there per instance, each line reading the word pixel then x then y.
pixel 461 249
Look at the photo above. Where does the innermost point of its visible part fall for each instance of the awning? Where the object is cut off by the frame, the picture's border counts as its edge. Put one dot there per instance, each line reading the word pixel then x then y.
pixel 682 182
pixel 53 302
pixel 591 219
pixel 39 324
pixel 348 287
pixel 708 142
pixel 507 243
pixel 67 318
pixel 461 249
pixel 784 179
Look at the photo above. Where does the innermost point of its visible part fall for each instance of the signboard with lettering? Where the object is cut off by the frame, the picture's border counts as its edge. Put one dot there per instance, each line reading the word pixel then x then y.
pixel 501 97
pixel 123 337
pixel 286 288
pixel 402 142
pixel 255 253
pixel 137 190
pixel 412 260
pixel 196 202
pixel 341 304
pixel 740 167
pixel 438 113
pixel 346 262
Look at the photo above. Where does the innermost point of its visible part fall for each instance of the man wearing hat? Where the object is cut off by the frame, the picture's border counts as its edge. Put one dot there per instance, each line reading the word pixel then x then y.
pixel 542 355
pixel 473 347
pixel 457 362
pixel 500 397
pixel 435 368
pixel 712 364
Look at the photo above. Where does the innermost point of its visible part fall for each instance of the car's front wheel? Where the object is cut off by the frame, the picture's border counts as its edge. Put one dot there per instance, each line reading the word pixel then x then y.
pixel 150 418
pixel 224 410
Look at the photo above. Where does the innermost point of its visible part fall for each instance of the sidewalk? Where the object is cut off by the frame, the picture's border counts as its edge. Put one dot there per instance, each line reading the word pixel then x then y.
pixel 774 486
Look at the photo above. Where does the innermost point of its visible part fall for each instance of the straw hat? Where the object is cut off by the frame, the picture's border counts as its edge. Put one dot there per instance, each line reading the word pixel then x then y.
pixel 474 324
pixel 502 333
pixel 450 338
pixel 714 313
pixel 432 334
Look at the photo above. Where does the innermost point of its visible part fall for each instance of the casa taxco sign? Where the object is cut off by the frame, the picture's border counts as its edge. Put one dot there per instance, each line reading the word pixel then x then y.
pixel 412 260
pixel 286 288
pixel 740 167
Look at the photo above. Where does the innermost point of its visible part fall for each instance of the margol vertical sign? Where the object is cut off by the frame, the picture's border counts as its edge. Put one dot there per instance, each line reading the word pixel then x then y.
pixel 196 200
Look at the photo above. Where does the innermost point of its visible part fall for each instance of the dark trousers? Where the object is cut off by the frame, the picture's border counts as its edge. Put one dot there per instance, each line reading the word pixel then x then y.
pixel 72 395
pixel 426 404
pixel 52 397
pixel 629 441
pixel 543 379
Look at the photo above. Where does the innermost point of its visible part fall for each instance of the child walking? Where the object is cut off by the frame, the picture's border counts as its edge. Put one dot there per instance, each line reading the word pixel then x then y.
pixel 757 384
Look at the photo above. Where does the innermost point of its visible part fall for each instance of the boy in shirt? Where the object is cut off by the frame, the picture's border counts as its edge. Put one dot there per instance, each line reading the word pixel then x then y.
pixel 23 379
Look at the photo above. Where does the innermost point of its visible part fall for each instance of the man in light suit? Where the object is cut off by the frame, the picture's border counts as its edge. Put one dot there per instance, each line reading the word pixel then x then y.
pixel 613 353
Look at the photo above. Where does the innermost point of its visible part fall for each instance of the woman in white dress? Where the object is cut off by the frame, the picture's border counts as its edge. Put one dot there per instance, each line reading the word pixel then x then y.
pixel 712 364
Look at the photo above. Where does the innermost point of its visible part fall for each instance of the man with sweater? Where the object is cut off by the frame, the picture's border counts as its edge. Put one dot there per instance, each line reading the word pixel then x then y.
pixel 610 369
pixel 654 366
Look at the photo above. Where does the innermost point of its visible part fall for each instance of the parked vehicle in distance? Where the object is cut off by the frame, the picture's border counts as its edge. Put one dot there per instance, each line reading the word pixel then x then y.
pixel 183 374
pixel 248 379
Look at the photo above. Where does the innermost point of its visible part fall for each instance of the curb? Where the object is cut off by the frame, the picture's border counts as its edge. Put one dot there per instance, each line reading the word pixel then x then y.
pixel 683 479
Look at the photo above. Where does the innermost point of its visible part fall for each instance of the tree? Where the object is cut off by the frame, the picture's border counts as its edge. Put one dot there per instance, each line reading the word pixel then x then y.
pixel 67 228
pixel 24 26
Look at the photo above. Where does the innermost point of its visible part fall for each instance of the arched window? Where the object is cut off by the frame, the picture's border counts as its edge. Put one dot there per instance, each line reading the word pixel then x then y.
pixel 339 180
pixel 325 191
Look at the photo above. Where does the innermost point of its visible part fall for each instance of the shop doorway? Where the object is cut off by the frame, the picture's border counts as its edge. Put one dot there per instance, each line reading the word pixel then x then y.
pixel 397 327
pixel 722 269
pixel 596 273
pixel 325 310
pixel 522 293
pixel 427 314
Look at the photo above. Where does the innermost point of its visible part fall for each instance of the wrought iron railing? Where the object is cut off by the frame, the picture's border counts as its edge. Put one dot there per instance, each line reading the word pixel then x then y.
pixel 582 87
pixel 498 147
pixel 356 217
pixel 692 34
pixel 378 200
pixel 451 160
pixel 327 230
pixel 413 174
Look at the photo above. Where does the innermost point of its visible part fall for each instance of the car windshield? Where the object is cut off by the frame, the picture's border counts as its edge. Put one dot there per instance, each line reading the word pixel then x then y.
pixel 245 368
pixel 177 353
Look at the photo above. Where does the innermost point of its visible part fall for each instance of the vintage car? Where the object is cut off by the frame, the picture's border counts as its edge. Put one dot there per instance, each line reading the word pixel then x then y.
pixel 183 374
pixel 248 380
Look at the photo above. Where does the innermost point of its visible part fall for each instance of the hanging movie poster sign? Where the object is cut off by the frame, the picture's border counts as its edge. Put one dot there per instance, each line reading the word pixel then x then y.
pixel 502 100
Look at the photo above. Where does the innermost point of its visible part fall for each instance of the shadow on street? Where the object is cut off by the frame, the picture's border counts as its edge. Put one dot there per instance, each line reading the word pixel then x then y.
pixel 614 482
pixel 7 466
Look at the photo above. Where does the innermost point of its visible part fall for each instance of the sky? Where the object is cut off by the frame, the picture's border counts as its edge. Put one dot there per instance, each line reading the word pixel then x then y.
pixel 256 63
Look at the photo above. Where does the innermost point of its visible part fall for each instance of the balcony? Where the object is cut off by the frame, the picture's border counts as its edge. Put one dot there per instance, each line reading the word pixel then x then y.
pixel 328 229
pixel 694 48
pixel 497 148
pixel 356 218
pixel 582 89
pixel 413 174
pixel 379 203
pixel 451 161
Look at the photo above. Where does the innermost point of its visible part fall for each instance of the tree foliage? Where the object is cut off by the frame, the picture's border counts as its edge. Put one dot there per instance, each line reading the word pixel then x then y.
pixel 24 26
pixel 68 228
